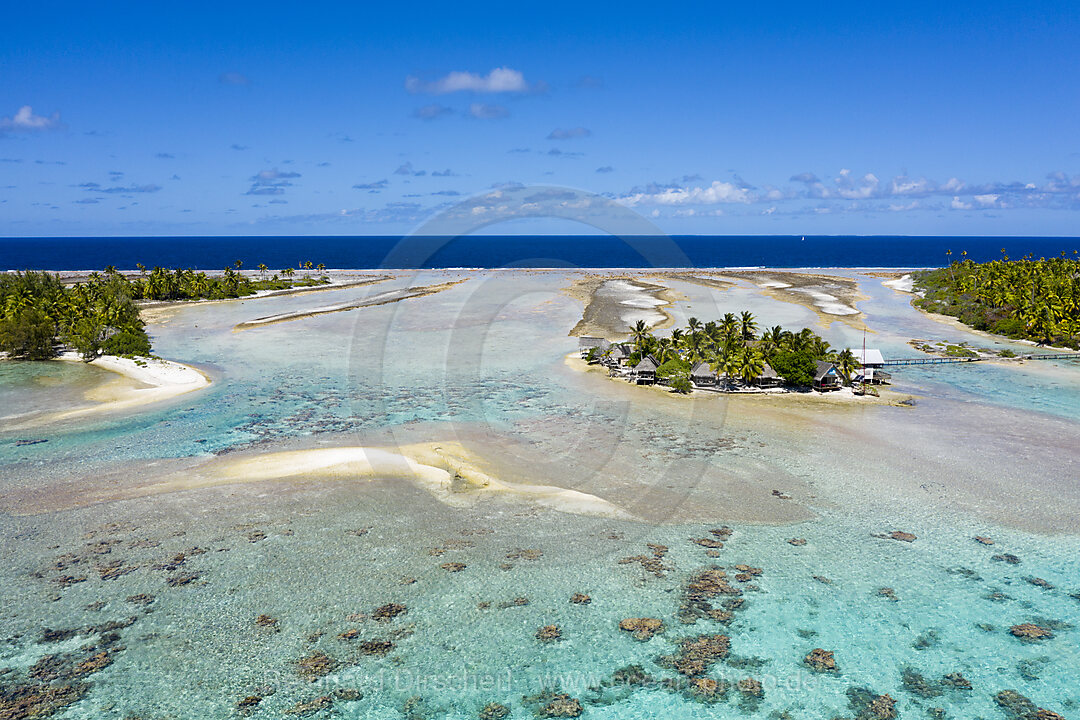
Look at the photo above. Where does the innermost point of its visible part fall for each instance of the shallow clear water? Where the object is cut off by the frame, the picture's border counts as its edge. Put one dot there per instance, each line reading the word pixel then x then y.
pixel 484 362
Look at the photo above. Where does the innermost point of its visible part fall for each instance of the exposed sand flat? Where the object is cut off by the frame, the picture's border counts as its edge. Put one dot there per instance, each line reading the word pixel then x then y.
pixel 390 296
pixel 445 469
pixel 832 297
pixel 146 381
pixel 154 311
pixel 614 303
pixel 696 278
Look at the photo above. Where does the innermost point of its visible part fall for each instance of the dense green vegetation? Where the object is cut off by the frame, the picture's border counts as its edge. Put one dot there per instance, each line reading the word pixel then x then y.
pixel 733 348
pixel 1023 299
pixel 39 314
pixel 180 284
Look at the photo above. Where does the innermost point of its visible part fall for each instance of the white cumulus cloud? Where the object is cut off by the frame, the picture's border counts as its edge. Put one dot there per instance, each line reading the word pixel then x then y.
pixel 715 194
pixel 499 80
pixel 26 120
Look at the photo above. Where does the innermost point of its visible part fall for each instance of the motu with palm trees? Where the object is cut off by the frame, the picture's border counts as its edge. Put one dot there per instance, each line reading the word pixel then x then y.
pixel 38 311
pixel 735 350
pixel 1025 299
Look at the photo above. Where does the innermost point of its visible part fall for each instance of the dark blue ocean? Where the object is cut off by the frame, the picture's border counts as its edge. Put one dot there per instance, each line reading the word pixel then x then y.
pixel 488 251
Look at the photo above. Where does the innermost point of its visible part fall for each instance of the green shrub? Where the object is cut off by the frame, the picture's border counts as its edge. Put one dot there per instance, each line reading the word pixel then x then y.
pixel 958 351
pixel 797 368
pixel 1010 327
pixel 127 343
pixel 681 384
pixel 28 334
pixel 672 368
pixel 85 336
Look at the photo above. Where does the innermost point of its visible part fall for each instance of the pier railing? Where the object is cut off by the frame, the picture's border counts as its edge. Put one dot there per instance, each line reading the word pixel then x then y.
pixel 953 360
pixel 929 361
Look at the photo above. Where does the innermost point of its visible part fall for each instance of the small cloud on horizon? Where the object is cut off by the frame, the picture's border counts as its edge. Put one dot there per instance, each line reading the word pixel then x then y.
pixel 130 189
pixel 372 186
pixel 605 169
pixel 407 169
pixel 568 133
pixel 488 112
pixel 271 182
pixel 432 112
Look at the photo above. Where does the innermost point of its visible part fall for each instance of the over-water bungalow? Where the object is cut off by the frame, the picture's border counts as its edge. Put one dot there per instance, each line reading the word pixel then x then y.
pixel 827 377
pixel 872 359
pixel 702 374
pixel 644 372
pixel 870 366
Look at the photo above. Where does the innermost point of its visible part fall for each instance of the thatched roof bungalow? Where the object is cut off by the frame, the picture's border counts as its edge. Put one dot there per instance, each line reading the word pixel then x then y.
pixel 587 343
pixel 702 374
pixel 768 377
pixel 644 372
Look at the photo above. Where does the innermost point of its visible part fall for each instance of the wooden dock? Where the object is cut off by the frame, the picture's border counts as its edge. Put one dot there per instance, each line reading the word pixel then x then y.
pixel 954 360
pixel 930 361
pixel 1052 356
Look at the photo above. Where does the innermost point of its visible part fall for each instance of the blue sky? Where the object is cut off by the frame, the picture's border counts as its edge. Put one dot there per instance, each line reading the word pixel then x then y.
pixel 309 118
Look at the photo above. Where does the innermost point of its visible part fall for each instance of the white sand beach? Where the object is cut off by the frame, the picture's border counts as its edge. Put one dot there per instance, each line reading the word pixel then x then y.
pixel 142 381
pixel 905 284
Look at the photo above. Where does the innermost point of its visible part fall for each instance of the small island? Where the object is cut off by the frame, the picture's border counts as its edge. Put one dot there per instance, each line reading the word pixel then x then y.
pixel 1026 299
pixel 730 355
pixel 41 315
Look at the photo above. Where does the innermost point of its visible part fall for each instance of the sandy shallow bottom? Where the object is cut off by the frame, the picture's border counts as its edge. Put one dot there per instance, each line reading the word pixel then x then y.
pixel 374 515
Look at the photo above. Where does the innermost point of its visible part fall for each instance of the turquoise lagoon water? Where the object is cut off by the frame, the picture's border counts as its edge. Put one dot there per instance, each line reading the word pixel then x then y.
pixel 484 361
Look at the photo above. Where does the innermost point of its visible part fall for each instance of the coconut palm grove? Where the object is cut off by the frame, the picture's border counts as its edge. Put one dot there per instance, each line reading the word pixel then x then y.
pixel 1025 299
pixel 41 313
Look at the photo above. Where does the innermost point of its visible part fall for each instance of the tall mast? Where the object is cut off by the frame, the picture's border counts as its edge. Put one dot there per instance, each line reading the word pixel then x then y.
pixel 864 357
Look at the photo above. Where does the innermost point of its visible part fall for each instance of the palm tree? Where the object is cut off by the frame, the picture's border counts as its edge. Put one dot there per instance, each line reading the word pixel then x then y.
pixel 748 325
pixel 750 365
pixel 639 331
pixel 728 325
pixel 845 363
pixel 262 269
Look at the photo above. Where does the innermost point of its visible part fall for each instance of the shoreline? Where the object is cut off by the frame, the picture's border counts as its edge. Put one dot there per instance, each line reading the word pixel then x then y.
pixel 142 381
pixel 957 325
